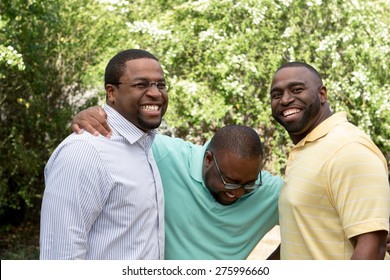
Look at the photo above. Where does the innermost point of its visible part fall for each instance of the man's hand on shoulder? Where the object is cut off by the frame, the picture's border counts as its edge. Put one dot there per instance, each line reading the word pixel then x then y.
pixel 93 120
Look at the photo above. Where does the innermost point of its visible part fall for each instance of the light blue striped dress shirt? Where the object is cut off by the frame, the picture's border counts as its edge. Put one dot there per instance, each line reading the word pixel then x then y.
pixel 103 197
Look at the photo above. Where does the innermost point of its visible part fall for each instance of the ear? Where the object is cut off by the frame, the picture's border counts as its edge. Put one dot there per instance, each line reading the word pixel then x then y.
pixel 323 94
pixel 208 159
pixel 111 92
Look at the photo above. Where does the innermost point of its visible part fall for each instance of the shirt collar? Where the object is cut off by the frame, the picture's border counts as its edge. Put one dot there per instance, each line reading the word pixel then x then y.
pixel 196 164
pixel 323 128
pixel 125 128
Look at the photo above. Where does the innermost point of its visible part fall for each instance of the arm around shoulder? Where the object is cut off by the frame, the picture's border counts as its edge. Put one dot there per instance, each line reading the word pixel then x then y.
pixel 93 120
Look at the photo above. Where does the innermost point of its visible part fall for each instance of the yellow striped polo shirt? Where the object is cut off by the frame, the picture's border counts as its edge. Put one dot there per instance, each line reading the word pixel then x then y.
pixel 336 187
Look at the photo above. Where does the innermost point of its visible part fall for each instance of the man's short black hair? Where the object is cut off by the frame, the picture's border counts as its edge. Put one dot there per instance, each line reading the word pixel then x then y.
pixel 117 65
pixel 301 64
pixel 241 140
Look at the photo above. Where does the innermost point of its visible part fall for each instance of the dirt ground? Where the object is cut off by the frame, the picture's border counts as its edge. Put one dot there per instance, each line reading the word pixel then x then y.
pixel 266 246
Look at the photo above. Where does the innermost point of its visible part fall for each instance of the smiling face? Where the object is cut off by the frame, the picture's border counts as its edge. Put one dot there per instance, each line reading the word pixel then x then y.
pixel 142 107
pixel 298 101
pixel 234 169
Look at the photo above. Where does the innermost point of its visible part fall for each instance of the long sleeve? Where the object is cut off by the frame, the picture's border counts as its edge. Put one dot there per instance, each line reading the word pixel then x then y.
pixel 76 190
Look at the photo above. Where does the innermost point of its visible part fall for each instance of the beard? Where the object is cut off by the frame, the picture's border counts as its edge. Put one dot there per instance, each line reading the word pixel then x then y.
pixel 310 114
pixel 149 124
pixel 146 124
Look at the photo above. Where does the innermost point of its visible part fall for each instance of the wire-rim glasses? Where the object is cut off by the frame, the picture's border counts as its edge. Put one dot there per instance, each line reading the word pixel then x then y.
pixel 161 86
pixel 231 186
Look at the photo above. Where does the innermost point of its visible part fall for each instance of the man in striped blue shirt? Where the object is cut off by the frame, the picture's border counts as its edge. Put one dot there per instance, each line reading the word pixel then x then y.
pixel 103 197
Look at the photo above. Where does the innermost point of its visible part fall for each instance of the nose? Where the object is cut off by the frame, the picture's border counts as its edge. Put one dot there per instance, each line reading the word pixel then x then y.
pixel 153 90
pixel 287 98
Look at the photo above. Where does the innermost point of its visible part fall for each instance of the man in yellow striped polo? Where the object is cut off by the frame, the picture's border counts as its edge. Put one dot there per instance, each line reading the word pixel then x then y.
pixel 335 203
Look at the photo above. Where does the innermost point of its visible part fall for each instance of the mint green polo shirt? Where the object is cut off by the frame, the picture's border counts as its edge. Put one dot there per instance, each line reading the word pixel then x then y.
pixel 197 227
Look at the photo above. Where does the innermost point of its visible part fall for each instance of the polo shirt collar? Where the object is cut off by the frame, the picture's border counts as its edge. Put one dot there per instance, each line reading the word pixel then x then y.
pixel 196 163
pixel 323 128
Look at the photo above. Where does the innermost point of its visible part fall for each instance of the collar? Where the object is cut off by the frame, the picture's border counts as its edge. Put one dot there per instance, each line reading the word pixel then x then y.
pixel 323 128
pixel 125 128
pixel 196 163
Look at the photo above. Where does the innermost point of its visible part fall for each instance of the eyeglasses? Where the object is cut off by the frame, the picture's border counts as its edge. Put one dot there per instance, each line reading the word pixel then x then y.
pixel 161 86
pixel 231 186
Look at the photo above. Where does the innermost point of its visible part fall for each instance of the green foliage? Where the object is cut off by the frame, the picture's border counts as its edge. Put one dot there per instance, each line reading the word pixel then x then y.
pixel 45 49
pixel 221 55
pixel 19 243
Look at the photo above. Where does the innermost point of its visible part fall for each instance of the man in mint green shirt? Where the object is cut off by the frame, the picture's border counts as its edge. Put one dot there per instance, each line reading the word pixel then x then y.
pixel 197 226
pixel 218 205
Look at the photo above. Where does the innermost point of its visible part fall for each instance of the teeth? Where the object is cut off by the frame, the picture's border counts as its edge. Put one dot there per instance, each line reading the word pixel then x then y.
pixel 290 112
pixel 150 107
pixel 230 195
